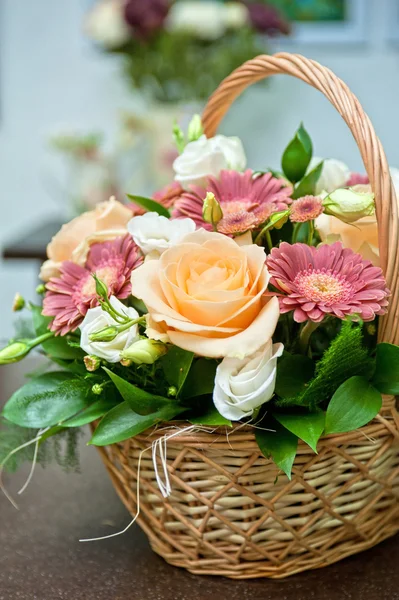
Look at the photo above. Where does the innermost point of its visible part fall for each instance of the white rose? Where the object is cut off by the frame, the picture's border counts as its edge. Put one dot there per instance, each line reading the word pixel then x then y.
pixel 155 234
pixel 97 319
pixel 349 205
pixel 204 20
pixel 106 25
pixel 206 157
pixel 242 385
pixel 334 174
pixel 236 15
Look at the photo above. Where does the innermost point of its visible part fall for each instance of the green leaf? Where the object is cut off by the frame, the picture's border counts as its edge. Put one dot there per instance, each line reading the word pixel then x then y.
pixel 176 364
pixel 142 402
pixel 293 373
pixel 48 399
pixel 149 205
pixel 345 358
pixel 386 377
pixel 308 427
pixel 91 413
pixel 56 347
pixel 121 423
pixel 297 155
pixel 307 185
pixel 280 444
pixel 211 416
pixel 200 380
pixel 355 403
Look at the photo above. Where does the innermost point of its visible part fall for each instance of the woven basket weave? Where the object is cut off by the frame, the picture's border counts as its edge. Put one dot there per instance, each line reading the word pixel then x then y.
pixel 231 512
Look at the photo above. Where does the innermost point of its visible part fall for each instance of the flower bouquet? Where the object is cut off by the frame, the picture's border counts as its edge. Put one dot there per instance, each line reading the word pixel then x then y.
pixel 237 365
pixel 162 41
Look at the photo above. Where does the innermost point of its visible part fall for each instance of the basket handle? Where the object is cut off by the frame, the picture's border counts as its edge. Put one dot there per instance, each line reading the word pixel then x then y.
pixel 370 147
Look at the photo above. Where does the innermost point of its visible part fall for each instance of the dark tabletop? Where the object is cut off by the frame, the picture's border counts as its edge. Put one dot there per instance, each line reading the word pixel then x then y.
pixel 42 559
pixel 31 244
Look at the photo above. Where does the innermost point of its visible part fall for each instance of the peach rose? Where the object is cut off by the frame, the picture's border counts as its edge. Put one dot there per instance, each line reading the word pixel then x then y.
pixel 106 222
pixel 207 295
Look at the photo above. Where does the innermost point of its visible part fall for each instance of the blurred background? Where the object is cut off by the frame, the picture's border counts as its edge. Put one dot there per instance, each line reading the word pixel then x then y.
pixel 89 91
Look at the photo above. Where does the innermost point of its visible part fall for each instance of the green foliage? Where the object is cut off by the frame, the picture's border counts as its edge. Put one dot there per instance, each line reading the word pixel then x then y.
pixel 149 205
pixel 386 377
pixel 306 426
pixel 168 68
pixel 200 380
pixel 121 423
pixel 354 404
pixel 345 358
pixel 48 399
pixel 307 185
pixel 140 401
pixel 278 443
pixel 297 155
pixel 176 365
pixel 293 373
pixel 61 448
pixel 207 414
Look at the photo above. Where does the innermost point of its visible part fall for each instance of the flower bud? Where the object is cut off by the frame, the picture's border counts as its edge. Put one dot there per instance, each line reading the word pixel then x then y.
pixel 41 289
pixel 108 334
pixel 211 210
pixel 172 391
pixel 97 389
pixel 349 205
pixel 195 129
pixel 125 362
pixel 13 352
pixel 19 303
pixel 92 363
pixel 101 288
pixel 278 219
pixel 178 136
pixel 144 351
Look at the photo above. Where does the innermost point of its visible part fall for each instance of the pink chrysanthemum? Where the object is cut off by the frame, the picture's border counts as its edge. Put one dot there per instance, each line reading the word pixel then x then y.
pixel 329 279
pixel 356 179
pixel 69 296
pixel 238 194
pixel 305 209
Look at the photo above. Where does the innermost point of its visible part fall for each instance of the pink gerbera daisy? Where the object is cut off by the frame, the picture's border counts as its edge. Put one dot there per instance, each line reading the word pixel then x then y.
pixel 239 195
pixel 329 279
pixel 356 179
pixel 305 209
pixel 70 296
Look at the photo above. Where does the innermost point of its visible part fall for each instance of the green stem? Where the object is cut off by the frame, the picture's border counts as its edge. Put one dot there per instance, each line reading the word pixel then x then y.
pixel 42 338
pixel 297 227
pixel 304 336
pixel 264 231
pixel 311 232
pixel 269 241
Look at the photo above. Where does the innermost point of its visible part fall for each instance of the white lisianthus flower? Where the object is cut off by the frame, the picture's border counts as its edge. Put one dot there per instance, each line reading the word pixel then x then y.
pixel 236 15
pixel 334 174
pixel 349 205
pixel 206 157
pixel 97 319
pixel 243 385
pixel 106 25
pixel 204 20
pixel 154 234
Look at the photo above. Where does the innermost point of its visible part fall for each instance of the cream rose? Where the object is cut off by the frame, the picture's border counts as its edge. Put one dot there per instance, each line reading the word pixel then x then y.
pixel 243 385
pixel 97 319
pixel 205 20
pixel 106 25
pixel 205 157
pixel 106 222
pixel 154 234
pixel 207 295
pixel 334 174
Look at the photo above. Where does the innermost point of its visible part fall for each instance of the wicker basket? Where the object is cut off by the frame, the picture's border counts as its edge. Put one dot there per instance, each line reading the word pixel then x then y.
pixel 230 512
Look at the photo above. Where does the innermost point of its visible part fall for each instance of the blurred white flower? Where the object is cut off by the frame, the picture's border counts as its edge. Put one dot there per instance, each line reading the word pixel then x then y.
pixel 206 157
pixel 97 319
pixel 155 234
pixel 236 15
pixel 205 20
pixel 243 385
pixel 106 25
pixel 334 174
